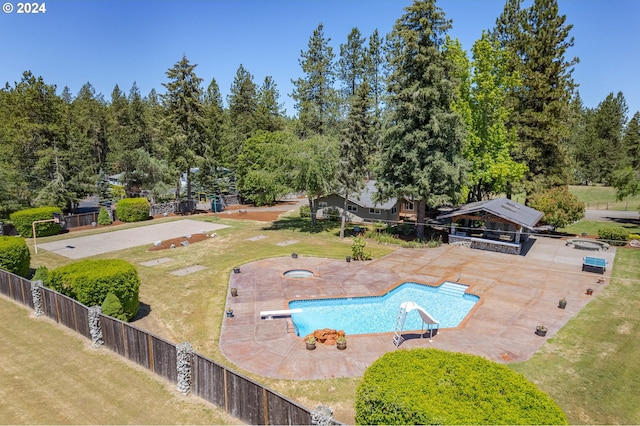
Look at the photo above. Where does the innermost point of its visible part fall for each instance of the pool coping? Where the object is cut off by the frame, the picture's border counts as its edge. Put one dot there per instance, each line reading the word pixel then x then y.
pixel 517 293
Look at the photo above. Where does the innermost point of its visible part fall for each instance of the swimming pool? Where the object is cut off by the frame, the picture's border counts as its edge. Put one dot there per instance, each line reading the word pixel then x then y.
pixel 377 314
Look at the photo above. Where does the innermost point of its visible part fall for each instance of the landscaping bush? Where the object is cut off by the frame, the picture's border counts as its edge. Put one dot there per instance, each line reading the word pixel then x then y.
pixel 305 211
pixel 42 274
pixel 113 308
pixel 560 207
pixel 614 235
pixel 357 249
pixel 103 217
pixel 431 386
pixel 15 256
pixel 23 220
pixel 133 209
pixel 90 281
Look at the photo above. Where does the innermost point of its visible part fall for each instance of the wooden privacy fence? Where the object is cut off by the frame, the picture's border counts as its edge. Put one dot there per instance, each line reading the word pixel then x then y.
pixel 237 395
pixel 81 219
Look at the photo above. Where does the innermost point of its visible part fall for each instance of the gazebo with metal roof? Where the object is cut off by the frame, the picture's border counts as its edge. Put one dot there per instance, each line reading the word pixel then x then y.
pixel 497 225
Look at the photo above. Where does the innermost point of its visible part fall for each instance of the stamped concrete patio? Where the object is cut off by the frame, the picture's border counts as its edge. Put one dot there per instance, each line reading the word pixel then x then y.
pixel 517 294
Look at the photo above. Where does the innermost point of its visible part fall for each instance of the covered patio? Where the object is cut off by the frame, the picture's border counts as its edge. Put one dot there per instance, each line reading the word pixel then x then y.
pixel 500 225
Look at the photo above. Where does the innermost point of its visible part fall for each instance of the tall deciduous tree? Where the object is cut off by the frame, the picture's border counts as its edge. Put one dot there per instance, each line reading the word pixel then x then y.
pixel 538 39
pixel 354 147
pixel 422 147
pixel 314 95
pixel 485 85
pixel 185 124
pixel 313 169
pixel 263 166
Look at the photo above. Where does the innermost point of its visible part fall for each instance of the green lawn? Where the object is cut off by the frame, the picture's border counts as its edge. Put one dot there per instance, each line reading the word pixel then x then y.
pixel 589 367
pixel 603 197
pixel 590 227
pixel 51 375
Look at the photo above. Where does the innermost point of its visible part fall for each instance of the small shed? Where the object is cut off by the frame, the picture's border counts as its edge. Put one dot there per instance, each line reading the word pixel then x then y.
pixel 500 225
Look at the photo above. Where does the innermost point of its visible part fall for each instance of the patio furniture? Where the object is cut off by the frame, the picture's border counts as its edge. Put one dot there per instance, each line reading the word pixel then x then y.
pixel 594 264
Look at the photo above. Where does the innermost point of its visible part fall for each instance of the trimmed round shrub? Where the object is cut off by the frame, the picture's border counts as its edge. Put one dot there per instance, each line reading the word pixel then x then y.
pixel 133 209
pixel 24 219
pixel 90 281
pixel 103 217
pixel 614 235
pixel 431 386
pixel 111 306
pixel 15 256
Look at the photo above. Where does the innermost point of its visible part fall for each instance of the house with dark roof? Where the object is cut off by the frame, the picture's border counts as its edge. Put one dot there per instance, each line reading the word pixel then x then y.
pixel 500 224
pixel 360 207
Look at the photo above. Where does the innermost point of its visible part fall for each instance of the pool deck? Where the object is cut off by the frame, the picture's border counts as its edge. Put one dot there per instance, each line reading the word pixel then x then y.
pixel 517 294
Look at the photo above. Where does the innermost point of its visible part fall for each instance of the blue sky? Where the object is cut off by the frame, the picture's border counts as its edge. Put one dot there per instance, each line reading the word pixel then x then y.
pixel 109 42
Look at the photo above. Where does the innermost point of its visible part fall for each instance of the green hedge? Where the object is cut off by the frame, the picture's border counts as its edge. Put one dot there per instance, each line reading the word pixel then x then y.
pixel 15 256
pixel 132 209
pixel 614 235
pixel 431 386
pixel 90 281
pixel 23 220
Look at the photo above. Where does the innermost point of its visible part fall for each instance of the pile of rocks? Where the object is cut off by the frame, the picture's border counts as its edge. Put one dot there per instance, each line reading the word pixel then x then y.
pixel 327 336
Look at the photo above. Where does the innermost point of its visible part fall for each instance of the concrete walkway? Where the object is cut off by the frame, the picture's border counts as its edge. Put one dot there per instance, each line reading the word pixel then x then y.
pixel 91 245
pixel 517 294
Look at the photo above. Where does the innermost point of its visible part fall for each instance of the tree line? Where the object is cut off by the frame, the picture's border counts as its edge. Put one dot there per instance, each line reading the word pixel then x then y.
pixel 428 120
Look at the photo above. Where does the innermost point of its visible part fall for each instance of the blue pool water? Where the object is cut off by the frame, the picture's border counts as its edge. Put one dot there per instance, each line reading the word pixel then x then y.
pixel 377 314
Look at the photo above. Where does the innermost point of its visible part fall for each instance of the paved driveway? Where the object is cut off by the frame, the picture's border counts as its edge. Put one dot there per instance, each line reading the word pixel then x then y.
pixel 517 294
pixel 91 245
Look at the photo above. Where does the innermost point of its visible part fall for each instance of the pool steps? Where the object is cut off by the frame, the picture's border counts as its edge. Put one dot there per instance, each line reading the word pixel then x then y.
pixel 453 289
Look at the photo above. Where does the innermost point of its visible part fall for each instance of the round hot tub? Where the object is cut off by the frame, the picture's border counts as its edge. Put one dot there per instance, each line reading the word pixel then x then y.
pixel 298 273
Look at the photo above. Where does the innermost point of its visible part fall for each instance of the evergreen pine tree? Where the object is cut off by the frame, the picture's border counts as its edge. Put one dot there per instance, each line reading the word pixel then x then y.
pixel 354 147
pixel 422 147
pixel 538 39
pixel 315 97
pixel 184 119
pixel 243 106
pixel 270 113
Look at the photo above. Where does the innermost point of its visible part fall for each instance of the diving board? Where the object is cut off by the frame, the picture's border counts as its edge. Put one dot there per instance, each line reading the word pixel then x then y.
pixel 594 264
pixel 279 313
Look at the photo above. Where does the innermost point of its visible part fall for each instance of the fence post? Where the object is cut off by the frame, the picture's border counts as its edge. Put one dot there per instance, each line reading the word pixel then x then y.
pixel 95 329
pixel 36 294
pixel 322 415
pixel 184 353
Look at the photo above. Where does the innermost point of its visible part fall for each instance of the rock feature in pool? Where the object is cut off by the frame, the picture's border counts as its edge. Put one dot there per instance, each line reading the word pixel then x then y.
pixel 298 273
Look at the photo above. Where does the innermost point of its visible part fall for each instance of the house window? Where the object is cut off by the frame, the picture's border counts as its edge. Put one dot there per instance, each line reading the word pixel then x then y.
pixel 374 211
pixel 352 208
pixel 407 206
pixel 394 210
pixel 322 205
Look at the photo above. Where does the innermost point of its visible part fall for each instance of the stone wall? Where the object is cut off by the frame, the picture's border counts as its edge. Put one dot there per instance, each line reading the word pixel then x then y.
pixel 478 243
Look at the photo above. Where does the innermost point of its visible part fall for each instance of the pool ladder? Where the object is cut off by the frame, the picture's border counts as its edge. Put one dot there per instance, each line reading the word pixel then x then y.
pixel 397 334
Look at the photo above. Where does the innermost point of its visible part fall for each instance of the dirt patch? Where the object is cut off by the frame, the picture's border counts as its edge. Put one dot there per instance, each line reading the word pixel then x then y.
pixel 248 214
pixel 177 242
